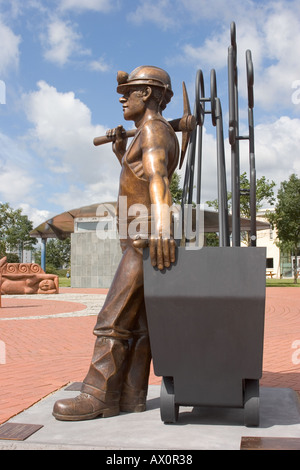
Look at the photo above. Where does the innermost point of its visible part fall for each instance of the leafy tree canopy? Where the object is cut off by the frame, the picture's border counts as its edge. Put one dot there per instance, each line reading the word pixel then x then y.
pixel 15 229
pixel 286 217
pixel 175 189
pixel 58 253
pixel 264 194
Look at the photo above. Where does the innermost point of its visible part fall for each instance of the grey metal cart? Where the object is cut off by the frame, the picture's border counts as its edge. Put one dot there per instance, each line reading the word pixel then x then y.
pixel 206 312
pixel 206 323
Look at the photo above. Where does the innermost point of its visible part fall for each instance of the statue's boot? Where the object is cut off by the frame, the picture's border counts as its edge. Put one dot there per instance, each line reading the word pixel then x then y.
pixel 85 406
pixel 135 386
pixel 101 389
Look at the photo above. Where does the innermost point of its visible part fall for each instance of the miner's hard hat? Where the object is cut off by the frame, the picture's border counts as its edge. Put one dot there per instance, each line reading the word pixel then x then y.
pixel 146 75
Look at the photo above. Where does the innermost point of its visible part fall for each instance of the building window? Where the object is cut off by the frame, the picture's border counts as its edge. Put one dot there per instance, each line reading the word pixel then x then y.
pixel 94 224
pixel 86 226
pixel 270 263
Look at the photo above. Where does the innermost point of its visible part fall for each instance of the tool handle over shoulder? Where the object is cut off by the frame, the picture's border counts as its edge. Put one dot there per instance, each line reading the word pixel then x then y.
pixel 105 139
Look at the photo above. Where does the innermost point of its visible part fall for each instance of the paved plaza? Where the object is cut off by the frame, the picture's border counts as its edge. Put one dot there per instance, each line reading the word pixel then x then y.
pixel 46 343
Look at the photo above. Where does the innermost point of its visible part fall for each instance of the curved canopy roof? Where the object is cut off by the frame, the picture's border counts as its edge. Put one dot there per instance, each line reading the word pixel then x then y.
pixel 62 225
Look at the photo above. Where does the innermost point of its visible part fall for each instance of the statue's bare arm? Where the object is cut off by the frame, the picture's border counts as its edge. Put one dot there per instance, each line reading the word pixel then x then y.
pixel 156 147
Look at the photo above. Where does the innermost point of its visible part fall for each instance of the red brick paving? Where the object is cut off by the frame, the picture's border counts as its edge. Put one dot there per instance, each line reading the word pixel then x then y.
pixel 281 364
pixel 42 355
pixel 16 307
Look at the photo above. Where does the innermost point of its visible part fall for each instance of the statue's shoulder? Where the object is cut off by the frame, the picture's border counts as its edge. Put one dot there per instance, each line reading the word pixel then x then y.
pixel 156 126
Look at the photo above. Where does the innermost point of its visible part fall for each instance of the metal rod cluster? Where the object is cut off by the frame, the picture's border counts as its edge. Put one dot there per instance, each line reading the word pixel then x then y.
pixel 192 178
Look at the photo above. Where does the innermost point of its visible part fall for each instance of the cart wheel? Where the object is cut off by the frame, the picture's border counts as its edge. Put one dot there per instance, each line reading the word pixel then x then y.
pixel 168 408
pixel 251 402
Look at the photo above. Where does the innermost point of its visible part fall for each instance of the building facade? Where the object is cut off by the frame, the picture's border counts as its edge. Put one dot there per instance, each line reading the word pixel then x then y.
pixel 95 252
pixel 278 264
pixel 95 246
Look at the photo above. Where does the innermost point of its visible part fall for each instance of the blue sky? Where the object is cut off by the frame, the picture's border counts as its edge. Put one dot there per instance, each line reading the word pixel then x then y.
pixel 59 60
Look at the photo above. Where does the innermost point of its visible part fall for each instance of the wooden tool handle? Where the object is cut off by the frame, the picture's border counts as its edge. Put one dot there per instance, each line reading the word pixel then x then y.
pixel 185 124
pixel 106 139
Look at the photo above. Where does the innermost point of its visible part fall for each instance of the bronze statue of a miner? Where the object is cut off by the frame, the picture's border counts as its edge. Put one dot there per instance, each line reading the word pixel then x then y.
pixel 117 379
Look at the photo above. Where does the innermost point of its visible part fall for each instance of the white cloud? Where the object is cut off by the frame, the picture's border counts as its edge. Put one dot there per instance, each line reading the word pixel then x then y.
pixel 9 52
pixel 213 53
pixel 15 183
pixel 16 179
pixel 209 181
pixel 99 65
pixel 94 5
pixel 281 43
pixel 181 13
pixel 13 7
pixel 37 216
pixel 271 30
pixel 277 148
pixel 159 12
pixel 104 191
pixel 63 136
pixel 62 42
pixel 56 116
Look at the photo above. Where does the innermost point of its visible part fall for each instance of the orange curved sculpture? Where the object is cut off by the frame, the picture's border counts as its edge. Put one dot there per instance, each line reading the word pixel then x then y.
pixel 26 278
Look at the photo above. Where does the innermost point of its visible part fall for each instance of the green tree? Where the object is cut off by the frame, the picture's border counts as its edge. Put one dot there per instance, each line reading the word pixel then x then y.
pixel 211 239
pixel 286 217
pixel 264 194
pixel 15 229
pixel 58 253
pixel 2 248
pixel 175 189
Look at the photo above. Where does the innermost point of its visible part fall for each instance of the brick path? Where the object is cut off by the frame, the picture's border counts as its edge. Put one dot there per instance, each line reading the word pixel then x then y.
pixel 47 343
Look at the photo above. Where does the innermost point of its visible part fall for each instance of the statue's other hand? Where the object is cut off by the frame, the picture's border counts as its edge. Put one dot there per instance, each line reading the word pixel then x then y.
pixel 162 252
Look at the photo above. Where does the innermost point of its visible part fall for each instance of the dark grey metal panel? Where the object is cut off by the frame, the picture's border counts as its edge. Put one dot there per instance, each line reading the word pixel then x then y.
pixel 206 322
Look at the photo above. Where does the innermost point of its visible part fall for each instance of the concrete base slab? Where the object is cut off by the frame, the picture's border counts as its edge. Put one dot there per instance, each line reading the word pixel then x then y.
pixel 197 428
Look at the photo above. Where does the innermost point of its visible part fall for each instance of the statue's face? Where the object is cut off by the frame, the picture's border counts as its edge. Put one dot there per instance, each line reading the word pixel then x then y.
pixel 133 104
pixel 47 284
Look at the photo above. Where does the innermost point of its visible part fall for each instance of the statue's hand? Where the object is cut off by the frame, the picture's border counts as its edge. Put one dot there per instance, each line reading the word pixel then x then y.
pixel 162 252
pixel 118 135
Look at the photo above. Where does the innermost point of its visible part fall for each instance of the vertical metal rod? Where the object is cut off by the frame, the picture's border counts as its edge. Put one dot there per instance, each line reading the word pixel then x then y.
pixel 222 185
pixel 200 110
pixel 192 166
pixel 189 213
pixel 199 174
pixel 233 134
pixel 188 186
pixel 188 178
pixel 252 179
pixel 250 82
pixel 237 172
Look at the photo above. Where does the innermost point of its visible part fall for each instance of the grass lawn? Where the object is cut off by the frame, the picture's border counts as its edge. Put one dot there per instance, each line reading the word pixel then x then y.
pixel 282 283
pixel 64 282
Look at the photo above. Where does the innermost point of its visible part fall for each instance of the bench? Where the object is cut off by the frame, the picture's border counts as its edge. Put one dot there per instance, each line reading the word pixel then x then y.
pixel 270 273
